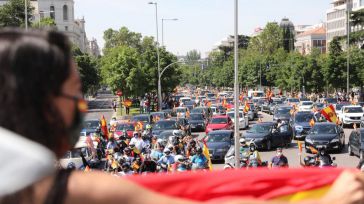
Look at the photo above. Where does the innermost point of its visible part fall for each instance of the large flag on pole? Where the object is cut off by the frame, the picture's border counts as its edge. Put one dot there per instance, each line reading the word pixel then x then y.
pixel 206 152
pixel 104 129
pixel 330 114
pixel 283 184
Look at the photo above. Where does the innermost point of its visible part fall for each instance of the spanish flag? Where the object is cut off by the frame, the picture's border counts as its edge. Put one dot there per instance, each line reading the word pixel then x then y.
pixel 246 107
pixel 104 130
pixel 139 126
pixel 290 185
pixel 329 113
pixel 206 152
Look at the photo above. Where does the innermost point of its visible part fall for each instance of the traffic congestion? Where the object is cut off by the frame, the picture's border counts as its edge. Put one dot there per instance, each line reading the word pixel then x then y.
pixel 195 131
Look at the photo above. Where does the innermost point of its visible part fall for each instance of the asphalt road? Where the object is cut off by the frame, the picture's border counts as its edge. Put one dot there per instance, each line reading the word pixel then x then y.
pixel 342 159
pixel 102 106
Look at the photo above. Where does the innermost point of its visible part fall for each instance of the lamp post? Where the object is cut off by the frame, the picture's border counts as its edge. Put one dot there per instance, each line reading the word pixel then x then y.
pixel 348 50
pixel 26 13
pixel 159 71
pixel 236 89
pixel 166 19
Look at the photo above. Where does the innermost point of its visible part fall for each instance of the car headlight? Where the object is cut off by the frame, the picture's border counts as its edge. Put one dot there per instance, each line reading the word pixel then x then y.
pixel 298 128
pixel 335 140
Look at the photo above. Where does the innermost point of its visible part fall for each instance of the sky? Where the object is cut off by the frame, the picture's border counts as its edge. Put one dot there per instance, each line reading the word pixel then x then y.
pixel 201 23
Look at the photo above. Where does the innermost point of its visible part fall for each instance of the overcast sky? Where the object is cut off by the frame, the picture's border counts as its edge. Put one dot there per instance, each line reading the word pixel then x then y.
pixel 201 24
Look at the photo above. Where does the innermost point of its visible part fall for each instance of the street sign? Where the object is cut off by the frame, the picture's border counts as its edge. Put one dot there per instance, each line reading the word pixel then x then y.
pixel 119 93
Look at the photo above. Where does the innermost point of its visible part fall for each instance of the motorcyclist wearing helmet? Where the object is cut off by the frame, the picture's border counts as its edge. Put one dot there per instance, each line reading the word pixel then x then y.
pixel 128 156
pixel 181 164
pixel 138 141
pixel 166 160
pixel 199 161
pixel 126 170
pixel 157 152
pixel 191 148
pixel 254 156
pixel 244 148
pixel 324 158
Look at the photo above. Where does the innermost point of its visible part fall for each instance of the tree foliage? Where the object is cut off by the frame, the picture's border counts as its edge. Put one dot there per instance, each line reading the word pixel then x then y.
pixel 12 14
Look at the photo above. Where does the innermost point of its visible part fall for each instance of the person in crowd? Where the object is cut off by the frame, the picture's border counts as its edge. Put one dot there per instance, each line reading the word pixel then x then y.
pixel 244 147
pixel 41 90
pixel 279 160
pixel 254 156
pixel 157 152
pixel 199 161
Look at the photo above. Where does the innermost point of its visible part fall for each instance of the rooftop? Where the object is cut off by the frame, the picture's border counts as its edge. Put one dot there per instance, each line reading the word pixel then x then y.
pixel 315 31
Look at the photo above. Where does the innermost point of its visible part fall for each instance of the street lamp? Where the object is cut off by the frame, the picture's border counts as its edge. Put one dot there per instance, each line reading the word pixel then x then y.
pixel 26 13
pixel 159 71
pixel 236 87
pixel 166 19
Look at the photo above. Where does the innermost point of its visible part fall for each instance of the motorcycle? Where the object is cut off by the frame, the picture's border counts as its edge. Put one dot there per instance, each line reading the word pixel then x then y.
pixel 320 161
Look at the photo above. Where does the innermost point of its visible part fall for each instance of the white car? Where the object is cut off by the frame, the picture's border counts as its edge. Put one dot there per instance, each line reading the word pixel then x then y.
pixel 183 100
pixel 214 110
pixel 305 106
pixel 74 158
pixel 243 120
pixel 351 114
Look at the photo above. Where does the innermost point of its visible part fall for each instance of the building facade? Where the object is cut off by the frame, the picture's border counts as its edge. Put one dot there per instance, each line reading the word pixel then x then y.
pixel 311 39
pixel 62 11
pixel 337 19
pixel 94 48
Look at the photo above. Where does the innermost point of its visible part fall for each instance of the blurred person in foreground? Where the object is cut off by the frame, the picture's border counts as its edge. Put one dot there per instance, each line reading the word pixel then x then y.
pixel 41 102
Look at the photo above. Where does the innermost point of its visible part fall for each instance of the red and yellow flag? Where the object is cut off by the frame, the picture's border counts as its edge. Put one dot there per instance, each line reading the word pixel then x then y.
pixel 104 130
pixel 139 126
pixel 206 152
pixel 246 107
pixel 274 185
pixel 330 114
pixel 312 122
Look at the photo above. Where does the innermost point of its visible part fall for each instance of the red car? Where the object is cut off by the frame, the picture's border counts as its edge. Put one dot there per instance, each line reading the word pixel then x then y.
pixel 129 127
pixel 219 122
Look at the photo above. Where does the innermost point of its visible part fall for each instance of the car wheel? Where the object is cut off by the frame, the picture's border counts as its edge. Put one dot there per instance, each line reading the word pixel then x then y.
pixel 269 145
pixel 350 150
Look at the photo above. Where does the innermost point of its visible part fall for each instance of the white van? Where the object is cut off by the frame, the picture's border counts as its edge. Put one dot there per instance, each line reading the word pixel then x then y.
pixel 256 94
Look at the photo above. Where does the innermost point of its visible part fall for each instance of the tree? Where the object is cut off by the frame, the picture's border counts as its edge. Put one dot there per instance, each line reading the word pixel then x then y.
pixel 12 14
pixel 45 23
pixel 89 72
pixel 269 40
pixel 122 37
pixel 334 72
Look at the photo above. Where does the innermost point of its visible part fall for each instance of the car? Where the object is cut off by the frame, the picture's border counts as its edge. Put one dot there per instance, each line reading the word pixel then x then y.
pixel 325 135
pixel 272 106
pixel 164 137
pixel 183 100
pixel 90 126
pixel 124 119
pixel 222 122
pixel 339 106
pixel 260 103
pixel 73 157
pixel 221 109
pixel 160 115
pixel 253 111
pixel 319 106
pixel 266 135
pixel 164 125
pixel 181 111
pixel 210 95
pixel 350 115
pixel 184 124
pixel 170 113
pixel 190 104
pixel 120 127
pixel 282 113
pixel 305 106
pixel 214 110
pixel 197 122
pixel 203 110
pixel 356 143
pixel 292 101
pixel 219 143
pixel 144 118
pixel 243 119
pixel 300 124
pixel 329 101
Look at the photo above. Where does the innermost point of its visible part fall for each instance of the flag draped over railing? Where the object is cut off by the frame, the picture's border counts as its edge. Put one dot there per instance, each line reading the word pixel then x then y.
pixel 263 184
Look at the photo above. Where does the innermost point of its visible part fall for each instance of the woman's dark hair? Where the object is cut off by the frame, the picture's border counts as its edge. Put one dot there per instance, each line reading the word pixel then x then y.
pixel 33 67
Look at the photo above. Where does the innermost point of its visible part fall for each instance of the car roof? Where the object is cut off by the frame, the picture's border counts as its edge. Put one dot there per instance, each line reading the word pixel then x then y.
pixel 220 116
pixel 141 115
pixel 325 123
pixel 352 106
pixel 265 123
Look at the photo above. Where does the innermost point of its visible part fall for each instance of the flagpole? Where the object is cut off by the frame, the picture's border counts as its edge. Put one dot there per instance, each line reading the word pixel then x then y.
pixel 236 90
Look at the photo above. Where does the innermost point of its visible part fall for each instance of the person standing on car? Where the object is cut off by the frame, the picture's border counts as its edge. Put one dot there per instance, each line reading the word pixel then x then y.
pixel 279 160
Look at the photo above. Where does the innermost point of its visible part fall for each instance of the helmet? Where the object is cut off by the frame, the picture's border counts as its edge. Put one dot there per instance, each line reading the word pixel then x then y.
pixel 135 134
pixel 252 146
pixel 175 132
pixel 306 160
pixel 170 147
pixel 148 127
pixel 279 121
pixel 167 151
pixel 179 158
pixel 242 141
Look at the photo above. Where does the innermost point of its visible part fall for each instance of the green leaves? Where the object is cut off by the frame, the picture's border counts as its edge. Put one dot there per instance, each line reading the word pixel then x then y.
pixel 130 63
pixel 12 14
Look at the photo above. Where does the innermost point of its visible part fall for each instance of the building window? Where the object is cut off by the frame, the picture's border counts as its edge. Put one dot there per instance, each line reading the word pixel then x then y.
pixel 66 28
pixel 52 12
pixel 65 13
pixel 41 14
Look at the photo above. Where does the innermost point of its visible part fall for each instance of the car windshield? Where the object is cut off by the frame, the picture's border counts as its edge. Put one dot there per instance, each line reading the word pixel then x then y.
pixel 339 106
pixel 219 121
pixel 165 125
pixel 283 111
pixel 91 124
pixel 331 100
pixel 307 103
pixel 144 119
pixel 232 115
pixel 353 110
pixel 260 129
pixel 293 100
pixel 319 105
pixel 196 117
pixel 197 110
pixel 323 129
pixel 218 137
pixel 301 118
pixel 76 153
pixel 127 127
